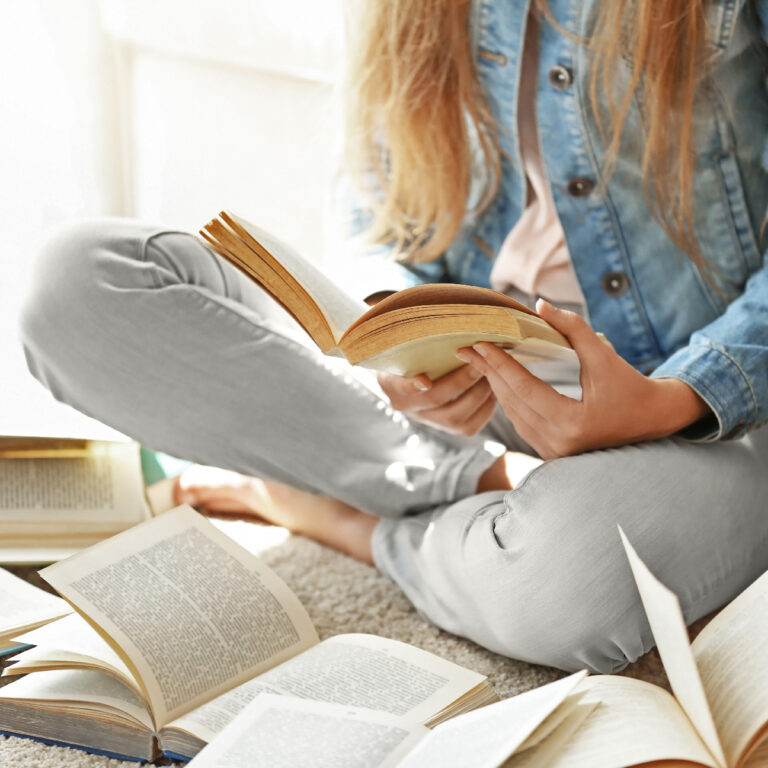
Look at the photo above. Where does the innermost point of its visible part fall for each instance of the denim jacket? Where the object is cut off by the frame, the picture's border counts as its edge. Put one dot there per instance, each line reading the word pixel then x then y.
pixel 651 302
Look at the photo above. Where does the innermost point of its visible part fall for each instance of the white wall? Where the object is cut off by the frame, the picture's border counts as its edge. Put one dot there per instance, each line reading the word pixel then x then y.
pixel 163 109
pixel 230 104
pixel 57 161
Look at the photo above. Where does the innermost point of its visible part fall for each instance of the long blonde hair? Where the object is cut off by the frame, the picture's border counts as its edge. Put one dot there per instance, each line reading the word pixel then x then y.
pixel 416 110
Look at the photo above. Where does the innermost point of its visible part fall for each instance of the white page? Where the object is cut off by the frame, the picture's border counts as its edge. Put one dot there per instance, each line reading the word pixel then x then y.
pixel 191 610
pixel 103 490
pixel 23 605
pixel 547 751
pixel 376 673
pixel 283 732
pixel 209 720
pixel 671 635
pixel 730 654
pixel 636 723
pixel 553 721
pixel 79 686
pixel 71 639
pixel 486 737
pixel 339 308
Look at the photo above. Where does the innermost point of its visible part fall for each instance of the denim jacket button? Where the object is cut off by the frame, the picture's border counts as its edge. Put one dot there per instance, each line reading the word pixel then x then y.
pixel 615 283
pixel 580 187
pixel 560 78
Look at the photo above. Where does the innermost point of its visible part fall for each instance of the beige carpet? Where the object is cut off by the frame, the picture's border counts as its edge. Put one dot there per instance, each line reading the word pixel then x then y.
pixel 341 595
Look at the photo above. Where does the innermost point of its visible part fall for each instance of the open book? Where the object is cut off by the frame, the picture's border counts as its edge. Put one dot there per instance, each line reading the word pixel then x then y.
pixel 60 495
pixel 178 628
pixel 24 607
pixel 289 732
pixel 417 330
pixel 718 716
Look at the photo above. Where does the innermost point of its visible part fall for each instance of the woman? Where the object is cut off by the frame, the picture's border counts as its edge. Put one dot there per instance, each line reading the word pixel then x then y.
pixel 605 155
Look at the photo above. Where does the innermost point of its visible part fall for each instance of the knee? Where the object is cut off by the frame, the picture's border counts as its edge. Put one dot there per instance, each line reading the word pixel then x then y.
pixel 69 294
pixel 559 591
pixel 59 287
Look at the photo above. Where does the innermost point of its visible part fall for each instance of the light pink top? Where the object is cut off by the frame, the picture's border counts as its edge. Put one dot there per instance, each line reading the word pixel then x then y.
pixel 534 257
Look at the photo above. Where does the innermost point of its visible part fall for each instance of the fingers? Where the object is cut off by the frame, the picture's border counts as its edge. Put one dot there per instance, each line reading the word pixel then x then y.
pixel 403 386
pixel 575 328
pixel 410 395
pixel 535 409
pixel 467 414
pixel 452 386
pixel 480 417
pixel 513 384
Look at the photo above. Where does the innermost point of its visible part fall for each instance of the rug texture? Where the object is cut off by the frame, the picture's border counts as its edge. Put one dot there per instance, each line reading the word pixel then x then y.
pixel 341 595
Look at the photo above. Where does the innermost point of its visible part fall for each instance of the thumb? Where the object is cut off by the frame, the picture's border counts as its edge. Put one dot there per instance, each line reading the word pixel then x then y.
pixel 581 337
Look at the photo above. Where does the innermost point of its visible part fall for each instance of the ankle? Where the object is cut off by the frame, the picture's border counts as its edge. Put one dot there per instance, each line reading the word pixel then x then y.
pixel 343 528
pixel 495 477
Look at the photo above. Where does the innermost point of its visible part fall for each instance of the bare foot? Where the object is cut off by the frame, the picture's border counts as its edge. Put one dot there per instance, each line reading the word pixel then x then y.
pixel 329 521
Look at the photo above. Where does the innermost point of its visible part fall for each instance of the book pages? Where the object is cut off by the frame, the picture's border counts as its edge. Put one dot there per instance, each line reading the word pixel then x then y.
pixel 759 758
pixel 282 732
pixel 635 723
pixel 553 721
pixel 90 689
pixel 671 635
pixel 375 673
pixel 100 490
pixel 23 606
pixel 189 611
pixel 362 671
pixel 210 719
pixel 545 752
pixel 338 307
pixel 486 737
pixel 435 355
pixel 730 654
pixel 70 642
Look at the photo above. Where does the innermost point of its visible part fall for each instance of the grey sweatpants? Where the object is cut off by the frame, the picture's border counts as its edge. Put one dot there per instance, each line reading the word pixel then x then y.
pixel 146 330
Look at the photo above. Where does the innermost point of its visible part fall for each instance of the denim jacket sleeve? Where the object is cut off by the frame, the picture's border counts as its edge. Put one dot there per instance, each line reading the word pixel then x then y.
pixel 726 362
pixel 364 269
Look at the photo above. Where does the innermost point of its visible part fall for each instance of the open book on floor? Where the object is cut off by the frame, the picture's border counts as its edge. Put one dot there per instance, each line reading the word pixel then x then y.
pixel 417 330
pixel 718 716
pixel 293 733
pixel 24 607
pixel 178 628
pixel 718 719
pixel 60 495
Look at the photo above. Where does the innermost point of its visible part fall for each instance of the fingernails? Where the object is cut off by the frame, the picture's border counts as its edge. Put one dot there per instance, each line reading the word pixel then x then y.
pixel 464 357
pixel 185 497
pixel 543 304
pixel 480 350
pixel 421 386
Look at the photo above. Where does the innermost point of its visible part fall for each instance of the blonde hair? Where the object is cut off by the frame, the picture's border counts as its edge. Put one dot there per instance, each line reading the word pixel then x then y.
pixel 416 110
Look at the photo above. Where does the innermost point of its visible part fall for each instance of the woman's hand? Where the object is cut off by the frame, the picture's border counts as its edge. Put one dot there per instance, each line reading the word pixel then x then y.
pixel 461 402
pixel 619 405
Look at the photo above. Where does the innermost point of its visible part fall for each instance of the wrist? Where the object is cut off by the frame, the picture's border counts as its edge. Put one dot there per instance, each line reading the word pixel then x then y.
pixel 678 406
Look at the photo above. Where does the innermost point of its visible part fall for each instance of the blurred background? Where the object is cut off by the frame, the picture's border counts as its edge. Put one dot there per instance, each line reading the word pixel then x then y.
pixel 164 110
